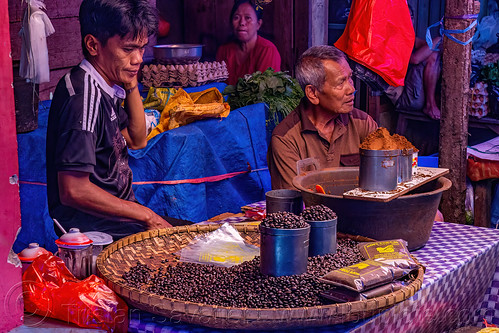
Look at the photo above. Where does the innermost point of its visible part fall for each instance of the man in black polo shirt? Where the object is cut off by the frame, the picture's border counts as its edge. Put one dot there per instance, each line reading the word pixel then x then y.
pixel 89 182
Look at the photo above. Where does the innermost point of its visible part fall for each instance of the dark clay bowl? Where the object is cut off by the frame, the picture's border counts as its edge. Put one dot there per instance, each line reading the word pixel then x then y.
pixel 409 217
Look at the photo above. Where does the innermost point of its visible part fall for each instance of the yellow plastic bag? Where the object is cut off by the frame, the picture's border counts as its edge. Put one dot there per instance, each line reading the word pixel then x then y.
pixel 184 108
pixel 158 97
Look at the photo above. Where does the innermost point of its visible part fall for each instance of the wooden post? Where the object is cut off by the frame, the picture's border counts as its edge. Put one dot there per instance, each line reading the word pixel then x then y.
pixel 456 73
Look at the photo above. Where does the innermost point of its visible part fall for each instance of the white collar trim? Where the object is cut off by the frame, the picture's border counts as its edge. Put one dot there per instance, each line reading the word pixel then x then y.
pixel 114 91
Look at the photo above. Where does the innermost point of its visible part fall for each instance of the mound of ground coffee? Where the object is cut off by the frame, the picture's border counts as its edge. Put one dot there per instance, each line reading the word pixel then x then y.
pixel 381 139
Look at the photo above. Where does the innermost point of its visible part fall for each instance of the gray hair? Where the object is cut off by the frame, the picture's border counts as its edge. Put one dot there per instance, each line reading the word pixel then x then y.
pixel 310 69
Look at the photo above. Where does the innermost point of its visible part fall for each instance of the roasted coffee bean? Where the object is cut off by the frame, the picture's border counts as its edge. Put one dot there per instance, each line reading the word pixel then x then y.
pixel 138 275
pixel 283 220
pixel 243 285
pixel 318 213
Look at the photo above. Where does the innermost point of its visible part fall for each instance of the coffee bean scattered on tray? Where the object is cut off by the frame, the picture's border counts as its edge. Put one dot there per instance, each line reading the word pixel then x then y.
pixel 243 285
pixel 318 213
pixel 138 275
pixel 283 220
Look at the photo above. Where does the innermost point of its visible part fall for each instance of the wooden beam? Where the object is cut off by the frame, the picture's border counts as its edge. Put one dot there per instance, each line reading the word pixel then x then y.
pixel 318 22
pixel 283 32
pixel 482 199
pixel 300 25
pixel 456 71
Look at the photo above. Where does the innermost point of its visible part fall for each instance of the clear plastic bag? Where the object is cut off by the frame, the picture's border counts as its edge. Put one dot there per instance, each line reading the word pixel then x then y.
pixel 222 247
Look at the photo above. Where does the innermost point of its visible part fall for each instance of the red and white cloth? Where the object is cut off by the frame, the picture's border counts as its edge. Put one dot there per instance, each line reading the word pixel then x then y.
pixel 483 160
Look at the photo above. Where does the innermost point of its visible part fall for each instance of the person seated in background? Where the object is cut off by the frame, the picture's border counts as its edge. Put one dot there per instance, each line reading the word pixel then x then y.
pixel 248 52
pixel 89 181
pixel 418 92
pixel 325 125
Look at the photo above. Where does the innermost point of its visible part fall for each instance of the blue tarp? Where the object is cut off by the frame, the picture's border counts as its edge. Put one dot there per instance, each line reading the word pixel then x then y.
pixel 201 149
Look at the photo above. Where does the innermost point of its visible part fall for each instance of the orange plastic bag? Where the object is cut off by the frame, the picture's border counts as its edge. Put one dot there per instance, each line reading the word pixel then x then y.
pixel 379 35
pixel 50 290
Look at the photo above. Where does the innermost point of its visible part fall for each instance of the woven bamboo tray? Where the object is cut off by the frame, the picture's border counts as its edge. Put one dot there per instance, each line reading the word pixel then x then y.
pixel 151 247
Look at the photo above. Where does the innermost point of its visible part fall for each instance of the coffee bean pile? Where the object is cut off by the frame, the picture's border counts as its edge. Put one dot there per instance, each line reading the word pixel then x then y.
pixel 346 255
pixel 283 220
pixel 243 285
pixel 318 213
pixel 138 275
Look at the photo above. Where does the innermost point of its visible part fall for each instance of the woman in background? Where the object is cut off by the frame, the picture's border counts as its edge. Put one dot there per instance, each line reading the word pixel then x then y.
pixel 248 52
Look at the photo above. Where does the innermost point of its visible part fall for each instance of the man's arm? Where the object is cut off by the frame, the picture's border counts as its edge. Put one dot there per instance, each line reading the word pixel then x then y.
pixel 135 133
pixel 76 190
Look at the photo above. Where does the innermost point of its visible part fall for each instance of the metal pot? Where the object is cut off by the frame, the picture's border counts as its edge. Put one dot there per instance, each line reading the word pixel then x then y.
pixel 178 53
pixel 409 216
pixel 75 249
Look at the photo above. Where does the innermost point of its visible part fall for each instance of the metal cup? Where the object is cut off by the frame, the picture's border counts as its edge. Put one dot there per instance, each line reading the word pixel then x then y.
pixel 322 238
pixel 283 251
pixel 75 249
pixel 284 201
pixel 405 165
pixel 378 169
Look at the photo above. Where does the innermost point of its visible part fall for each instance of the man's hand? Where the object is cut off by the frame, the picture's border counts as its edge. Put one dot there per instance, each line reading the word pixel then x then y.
pixel 156 222
pixel 135 133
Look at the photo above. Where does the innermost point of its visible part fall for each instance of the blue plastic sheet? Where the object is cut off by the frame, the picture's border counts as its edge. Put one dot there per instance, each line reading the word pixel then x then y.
pixel 203 149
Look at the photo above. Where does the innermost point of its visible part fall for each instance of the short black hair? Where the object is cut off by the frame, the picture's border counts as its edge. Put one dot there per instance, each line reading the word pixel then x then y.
pixel 258 9
pixel 104 19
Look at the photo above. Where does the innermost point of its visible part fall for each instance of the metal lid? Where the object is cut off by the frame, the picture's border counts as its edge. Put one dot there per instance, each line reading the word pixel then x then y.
pixel 99 238
pixel 74 239
pixel 31 252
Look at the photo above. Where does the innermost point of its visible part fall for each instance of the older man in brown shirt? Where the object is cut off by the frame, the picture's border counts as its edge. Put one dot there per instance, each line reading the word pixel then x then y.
pixel 325 125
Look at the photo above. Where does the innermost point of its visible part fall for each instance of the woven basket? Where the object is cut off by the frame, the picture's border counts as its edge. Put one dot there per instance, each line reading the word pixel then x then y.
pixel 152 247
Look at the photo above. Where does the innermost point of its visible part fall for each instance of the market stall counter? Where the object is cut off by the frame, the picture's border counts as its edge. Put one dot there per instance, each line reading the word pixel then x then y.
pixel 460 262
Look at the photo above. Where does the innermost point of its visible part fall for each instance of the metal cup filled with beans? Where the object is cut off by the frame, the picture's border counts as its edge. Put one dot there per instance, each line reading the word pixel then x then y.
pixel 323 221
pixel 284 239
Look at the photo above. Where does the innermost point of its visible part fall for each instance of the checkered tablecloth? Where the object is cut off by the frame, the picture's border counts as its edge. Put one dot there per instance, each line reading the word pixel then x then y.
pixel 460 263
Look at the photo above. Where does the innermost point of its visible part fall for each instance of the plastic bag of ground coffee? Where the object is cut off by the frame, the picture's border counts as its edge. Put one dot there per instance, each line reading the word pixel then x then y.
pixel 391 252
pixel 363 275
pixel 342 295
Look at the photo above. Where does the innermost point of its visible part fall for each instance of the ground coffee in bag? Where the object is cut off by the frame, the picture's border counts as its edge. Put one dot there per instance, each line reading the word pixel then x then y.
pixel 391 252
pixel 363 275
pixel 342 295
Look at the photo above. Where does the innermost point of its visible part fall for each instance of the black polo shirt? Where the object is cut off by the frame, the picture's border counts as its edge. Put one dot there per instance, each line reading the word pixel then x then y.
pixel 84 134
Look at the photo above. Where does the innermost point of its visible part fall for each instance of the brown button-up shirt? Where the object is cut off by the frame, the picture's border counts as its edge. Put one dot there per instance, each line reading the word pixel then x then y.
pixel 296 138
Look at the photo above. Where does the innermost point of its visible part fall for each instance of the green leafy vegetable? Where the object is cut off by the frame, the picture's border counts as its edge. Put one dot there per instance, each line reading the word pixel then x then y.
pixel 278 90
pixel 491 73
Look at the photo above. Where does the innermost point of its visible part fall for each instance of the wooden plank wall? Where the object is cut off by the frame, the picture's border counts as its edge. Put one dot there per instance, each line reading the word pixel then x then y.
pixel 426 13
pixel 64 46
pixel 285 23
